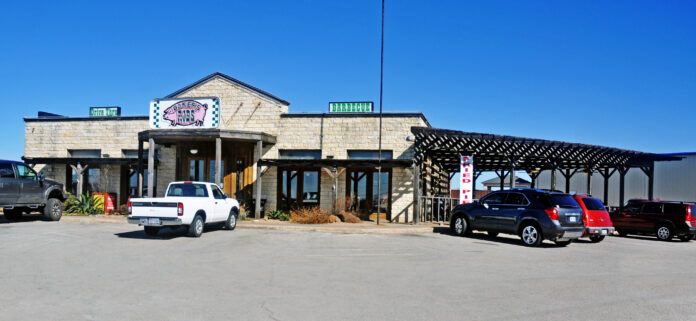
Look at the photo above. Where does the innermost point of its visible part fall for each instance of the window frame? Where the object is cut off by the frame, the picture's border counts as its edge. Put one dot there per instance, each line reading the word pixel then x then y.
pixel 12 169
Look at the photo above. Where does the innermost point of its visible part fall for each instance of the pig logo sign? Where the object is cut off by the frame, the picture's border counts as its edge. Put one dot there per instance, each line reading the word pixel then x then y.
pixel 466 182
pixel 186 113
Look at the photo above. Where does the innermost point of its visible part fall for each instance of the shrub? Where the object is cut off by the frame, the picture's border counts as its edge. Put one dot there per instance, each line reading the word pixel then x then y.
pixel 349 217
pixel 312 215
pixel 121 210
pixel 278 215
pixel 86 204
pixel 242 213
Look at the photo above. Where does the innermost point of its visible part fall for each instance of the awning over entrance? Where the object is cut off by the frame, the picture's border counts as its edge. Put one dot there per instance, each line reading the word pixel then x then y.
pixel 164 136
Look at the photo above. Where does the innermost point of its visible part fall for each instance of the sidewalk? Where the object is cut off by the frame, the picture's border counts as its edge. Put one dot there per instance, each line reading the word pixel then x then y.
pixel 342 228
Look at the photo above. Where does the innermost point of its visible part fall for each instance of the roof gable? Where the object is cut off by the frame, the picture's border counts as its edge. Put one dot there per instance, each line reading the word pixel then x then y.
pixel 240 83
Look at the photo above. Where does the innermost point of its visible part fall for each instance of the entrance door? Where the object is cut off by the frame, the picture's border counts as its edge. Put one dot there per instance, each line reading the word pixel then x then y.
pixel 363 192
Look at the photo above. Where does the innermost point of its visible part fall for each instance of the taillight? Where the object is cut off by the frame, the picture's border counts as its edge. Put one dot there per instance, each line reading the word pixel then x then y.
pixel 180 209
pixel 552 213
pixel 688 215
pixel 130 208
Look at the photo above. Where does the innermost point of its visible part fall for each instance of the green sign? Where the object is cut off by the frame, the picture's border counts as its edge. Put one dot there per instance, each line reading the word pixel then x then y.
pixel 104 111
pixel 351 107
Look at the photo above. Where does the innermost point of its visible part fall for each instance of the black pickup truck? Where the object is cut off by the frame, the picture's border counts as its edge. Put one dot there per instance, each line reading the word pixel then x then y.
pixel 24 191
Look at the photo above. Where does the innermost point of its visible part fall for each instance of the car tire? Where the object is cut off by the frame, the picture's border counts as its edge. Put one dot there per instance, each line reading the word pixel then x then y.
pixel 562 243
pixel 596 238
pixel 531 235
pixel 12 215
pixel 196 227
pixel 459 225
pixel 152 230
pixel 231 221
pixel 664 232
pixel 686 238
pixel 492 234
pixel 53 210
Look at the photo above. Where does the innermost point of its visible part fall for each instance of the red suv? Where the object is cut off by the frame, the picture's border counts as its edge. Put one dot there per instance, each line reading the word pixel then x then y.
pixel 596 217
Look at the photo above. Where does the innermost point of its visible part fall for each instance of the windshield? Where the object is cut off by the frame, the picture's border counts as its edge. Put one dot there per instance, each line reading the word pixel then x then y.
pixel 563 200
pixel 593 204
pixel 188 190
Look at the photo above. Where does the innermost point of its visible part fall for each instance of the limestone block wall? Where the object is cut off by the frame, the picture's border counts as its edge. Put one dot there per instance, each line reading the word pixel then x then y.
pixel 166 169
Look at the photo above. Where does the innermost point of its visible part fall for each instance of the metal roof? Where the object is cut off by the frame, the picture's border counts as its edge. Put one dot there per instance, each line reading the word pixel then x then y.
pixel 499 152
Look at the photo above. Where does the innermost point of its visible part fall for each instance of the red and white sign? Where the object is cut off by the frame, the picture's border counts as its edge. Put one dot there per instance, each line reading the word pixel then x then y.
pixel 466 179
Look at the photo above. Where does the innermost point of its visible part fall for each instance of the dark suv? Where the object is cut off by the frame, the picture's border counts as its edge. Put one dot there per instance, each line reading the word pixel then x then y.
pixel 532 214
pixel 661 218
pixel 24 191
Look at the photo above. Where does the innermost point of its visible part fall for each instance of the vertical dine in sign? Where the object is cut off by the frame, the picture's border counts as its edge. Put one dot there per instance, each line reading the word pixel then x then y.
pixel 466 174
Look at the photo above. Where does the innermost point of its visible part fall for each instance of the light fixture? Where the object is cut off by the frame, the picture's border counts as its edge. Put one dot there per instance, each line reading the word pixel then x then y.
pixel 194 151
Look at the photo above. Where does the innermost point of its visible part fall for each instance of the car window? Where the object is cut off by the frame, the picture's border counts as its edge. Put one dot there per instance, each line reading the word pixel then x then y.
pixel 516 199
pixel 494 199
pixel 674 208
pixel 652 208
pixel 217 194
pixel 26 173
pixel 6 171
pixel 593 204
pixel 187 190
pixel 563 200
pixel 631 208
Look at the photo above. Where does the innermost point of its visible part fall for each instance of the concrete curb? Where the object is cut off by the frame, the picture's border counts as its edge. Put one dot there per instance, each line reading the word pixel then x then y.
pixel 340 229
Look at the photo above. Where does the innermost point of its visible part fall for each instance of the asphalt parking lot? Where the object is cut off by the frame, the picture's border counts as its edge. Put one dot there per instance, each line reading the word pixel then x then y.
pixel 78 271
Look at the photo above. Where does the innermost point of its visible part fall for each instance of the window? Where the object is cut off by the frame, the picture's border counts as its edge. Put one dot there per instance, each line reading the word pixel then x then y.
pixel 593 204
pixel 188 190
pixel 365 196
pixel 6 171
pixel 133 182
pixel 300 154
pixel 564 200
pixel 85 153
pixel 369 154
pixel 93 179
pixel 26 173
pixel 133 153
pixel 217 194
pixel 652 208
pixel 494 199
pixel 298 187
pixel 631 208
pixel 671 208
pixel 516 199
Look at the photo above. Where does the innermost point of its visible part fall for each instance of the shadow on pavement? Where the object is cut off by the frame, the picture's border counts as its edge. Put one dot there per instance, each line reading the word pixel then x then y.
pixel 502 238
pixel 24 218
pixel 166 233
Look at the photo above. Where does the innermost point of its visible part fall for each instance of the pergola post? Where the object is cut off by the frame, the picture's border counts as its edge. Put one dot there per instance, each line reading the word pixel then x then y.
pixel 512 171
pixel 553 178
pixel 589 180
pixel 257 203
pixel 622 185
pixel 151 168
pixel 650 172
pixel 218 160
pixel 140 168
pixel 568 175
pixel 606 174
pixel 416 193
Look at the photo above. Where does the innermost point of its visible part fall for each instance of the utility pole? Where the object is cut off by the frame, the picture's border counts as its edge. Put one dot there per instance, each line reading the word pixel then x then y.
pixel 381 79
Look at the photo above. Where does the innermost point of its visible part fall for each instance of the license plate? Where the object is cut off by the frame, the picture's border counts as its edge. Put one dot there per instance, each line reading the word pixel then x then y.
pixel 572 219
pixel 572 234
pixel 603 232
pixel 150 221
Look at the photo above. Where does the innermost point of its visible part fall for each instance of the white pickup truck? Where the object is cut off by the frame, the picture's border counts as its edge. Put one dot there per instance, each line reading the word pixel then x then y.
pixel 192 204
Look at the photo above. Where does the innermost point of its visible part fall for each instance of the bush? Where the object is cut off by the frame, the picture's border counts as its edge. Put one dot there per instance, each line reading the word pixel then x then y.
pixel 242 213
pixel 349 217
pixel 312 215
pixel 86 204
pixel 121 210
pixel 278 215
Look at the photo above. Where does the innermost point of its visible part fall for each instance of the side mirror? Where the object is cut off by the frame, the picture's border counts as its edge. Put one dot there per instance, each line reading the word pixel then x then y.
pixel 42 177
pixel 227 196
pixel 485 205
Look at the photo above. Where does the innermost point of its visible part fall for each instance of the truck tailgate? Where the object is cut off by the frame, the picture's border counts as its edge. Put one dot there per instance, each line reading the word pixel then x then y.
pixel 146 208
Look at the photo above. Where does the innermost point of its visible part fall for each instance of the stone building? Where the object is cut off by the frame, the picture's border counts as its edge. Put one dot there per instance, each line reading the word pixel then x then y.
pixel 297 159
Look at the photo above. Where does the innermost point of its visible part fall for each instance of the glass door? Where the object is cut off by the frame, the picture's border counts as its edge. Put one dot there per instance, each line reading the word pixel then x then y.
pixel 364 195
pixel 298 187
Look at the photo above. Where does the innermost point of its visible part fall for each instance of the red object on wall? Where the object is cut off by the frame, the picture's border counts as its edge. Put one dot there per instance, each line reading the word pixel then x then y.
pixel 109 201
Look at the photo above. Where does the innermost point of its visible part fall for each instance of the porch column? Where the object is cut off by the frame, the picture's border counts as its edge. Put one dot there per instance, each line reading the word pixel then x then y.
pixel 622 185
pixel 151 168
pixel 140 169
pixel 257 203
pixel 218 160
pixel 416 192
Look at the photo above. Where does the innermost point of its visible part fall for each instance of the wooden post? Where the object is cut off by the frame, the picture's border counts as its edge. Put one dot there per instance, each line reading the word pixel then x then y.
pixel 140 168
pixel 257 203
pixel 151 168
pixel 589 181
pixel 416 193
pixel 622 185
pixel 651 181
pixel 218 160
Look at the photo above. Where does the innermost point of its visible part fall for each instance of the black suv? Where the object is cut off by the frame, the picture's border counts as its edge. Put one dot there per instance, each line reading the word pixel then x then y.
pixel 532 214
pixel 661 218
pixel 24 191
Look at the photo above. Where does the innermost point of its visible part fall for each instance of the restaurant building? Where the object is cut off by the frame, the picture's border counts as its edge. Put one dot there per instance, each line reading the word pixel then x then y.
pixel 222 130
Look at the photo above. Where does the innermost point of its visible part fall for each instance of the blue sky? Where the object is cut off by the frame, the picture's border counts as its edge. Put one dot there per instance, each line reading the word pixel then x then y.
pixel 620 74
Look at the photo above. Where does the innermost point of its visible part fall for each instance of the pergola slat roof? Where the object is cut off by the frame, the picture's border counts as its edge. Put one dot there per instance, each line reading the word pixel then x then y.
pixel 500 152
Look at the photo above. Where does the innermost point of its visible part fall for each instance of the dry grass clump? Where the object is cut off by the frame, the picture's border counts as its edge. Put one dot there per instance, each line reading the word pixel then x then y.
pixel 349 217
pixel 312 215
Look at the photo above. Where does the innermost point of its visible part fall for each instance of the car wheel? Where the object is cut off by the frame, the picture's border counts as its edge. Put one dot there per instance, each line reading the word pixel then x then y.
pixel 196 227
pixel 12 215
pixel 231 222
pixel 531 235
pixel 664 233
pixel 459 226
pixel 562 243
pixel 596 238
pixel 492 234
pixel 686 238
pixel 53 209
pixel 152 230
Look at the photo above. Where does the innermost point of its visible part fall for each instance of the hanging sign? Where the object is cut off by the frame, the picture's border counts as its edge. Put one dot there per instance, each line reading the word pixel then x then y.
pixel 351 107
pixel 185 113
pixel 466 174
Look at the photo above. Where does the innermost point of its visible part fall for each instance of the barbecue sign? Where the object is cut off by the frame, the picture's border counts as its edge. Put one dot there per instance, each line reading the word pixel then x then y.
pixel 185 113
pixel 466 184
